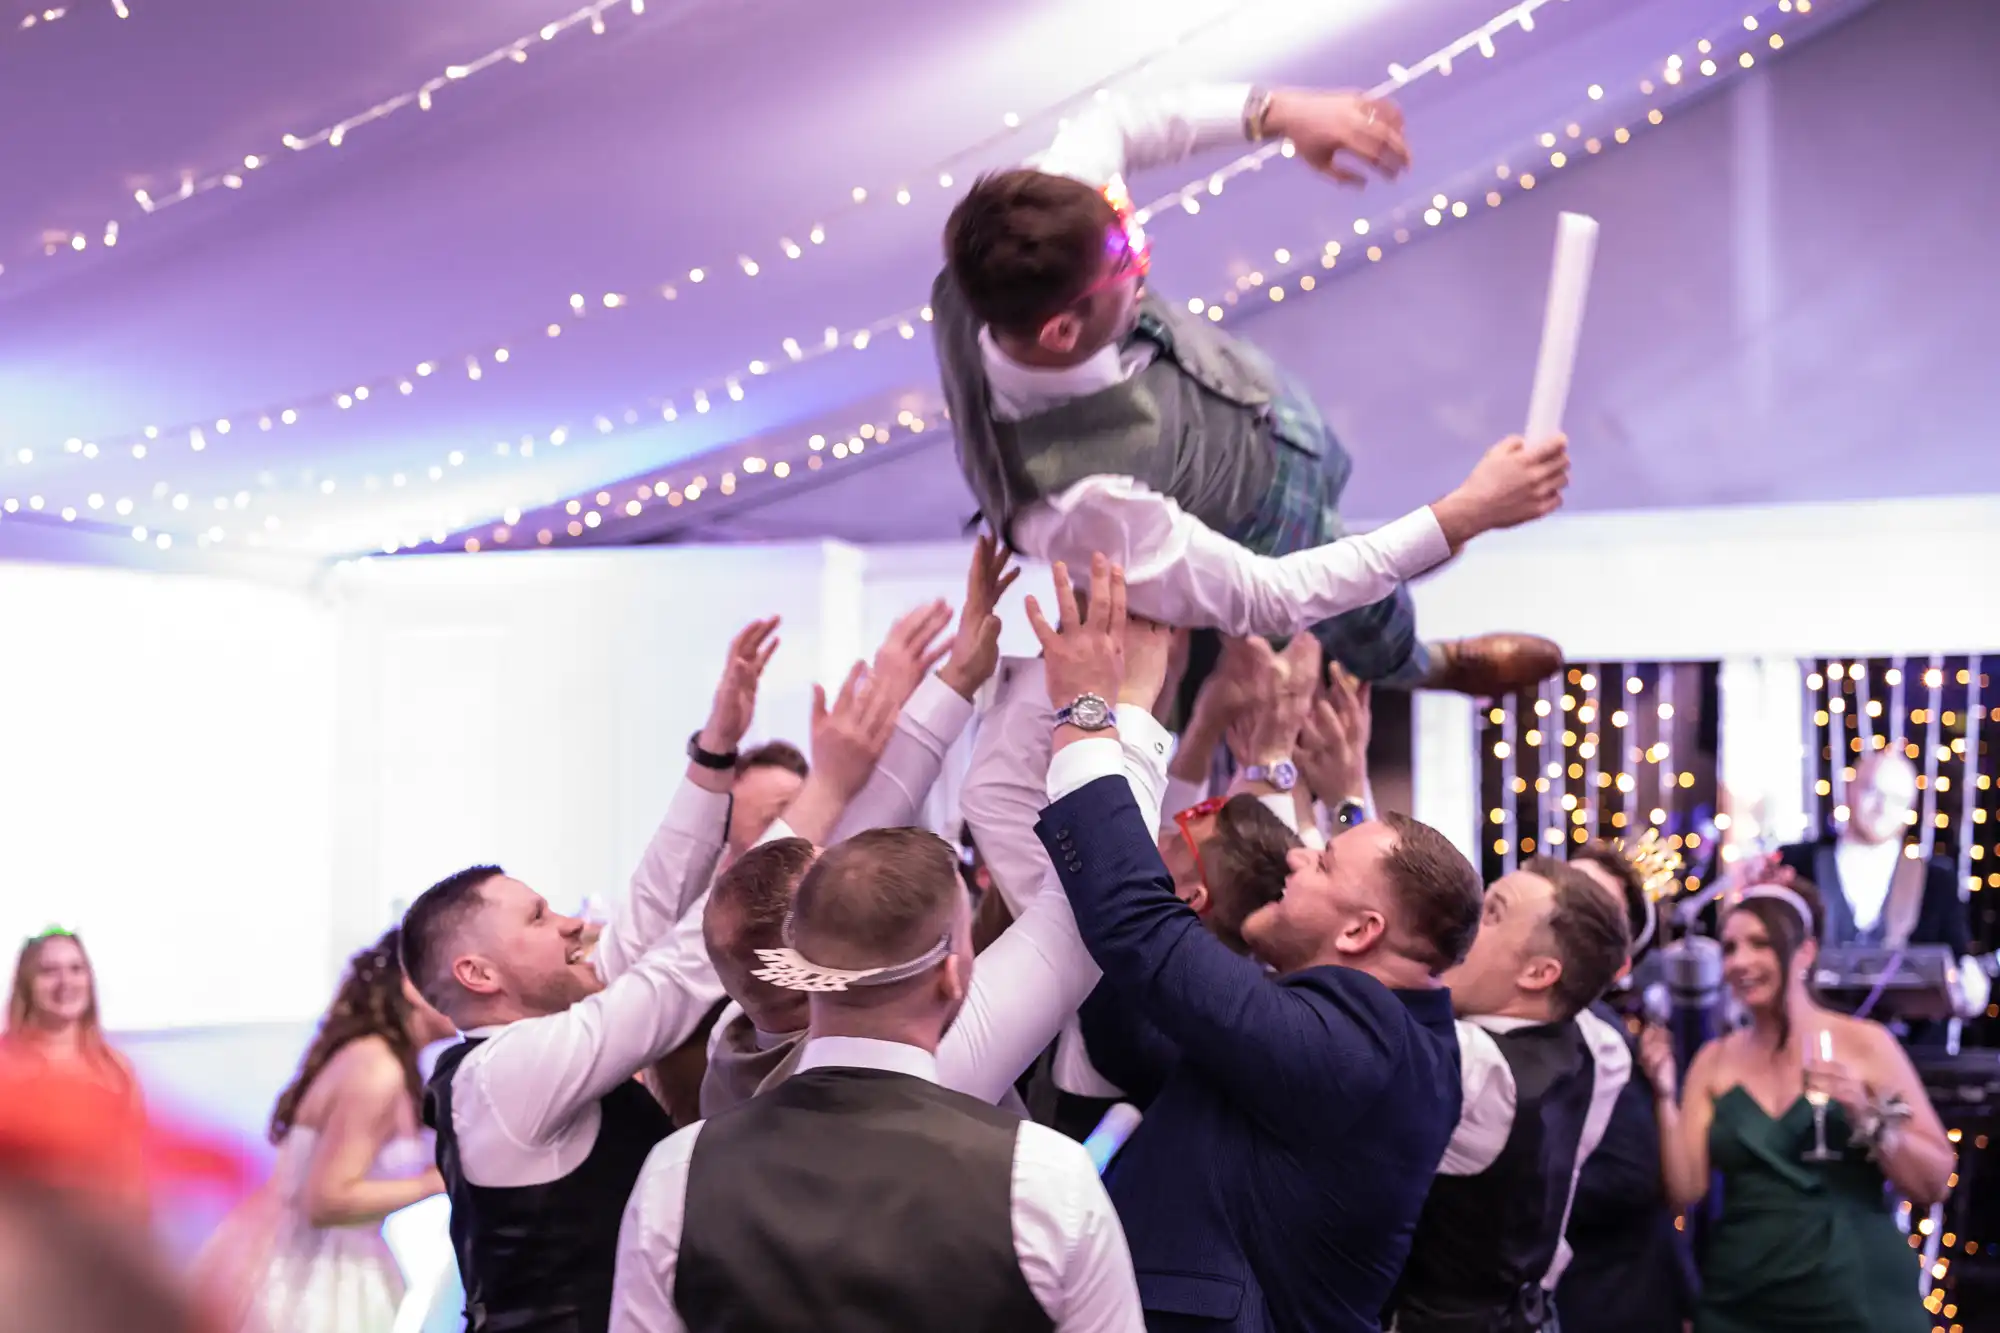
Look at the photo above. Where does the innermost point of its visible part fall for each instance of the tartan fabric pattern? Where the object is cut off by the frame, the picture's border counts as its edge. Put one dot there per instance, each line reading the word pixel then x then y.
pixel 1296 512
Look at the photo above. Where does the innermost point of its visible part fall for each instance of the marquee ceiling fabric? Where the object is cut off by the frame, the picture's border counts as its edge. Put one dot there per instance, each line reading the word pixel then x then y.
pixel 503 209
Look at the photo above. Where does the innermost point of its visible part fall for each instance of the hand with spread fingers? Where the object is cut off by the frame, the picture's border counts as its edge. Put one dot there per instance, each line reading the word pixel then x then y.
pixel 736 694
pixel 1324 125
pixel 1281 686
pixel 910 652
pixel 975 650
pixel 849 735
pixel 1085 655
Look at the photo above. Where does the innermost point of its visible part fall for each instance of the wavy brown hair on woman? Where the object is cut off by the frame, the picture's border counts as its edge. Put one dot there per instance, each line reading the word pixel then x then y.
pixel 21 1007
pixel 369 1003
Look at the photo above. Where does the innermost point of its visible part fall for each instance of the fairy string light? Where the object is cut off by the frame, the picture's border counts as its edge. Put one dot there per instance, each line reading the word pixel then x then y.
pixel 235 176
pixel 732 386
pixel 1442 206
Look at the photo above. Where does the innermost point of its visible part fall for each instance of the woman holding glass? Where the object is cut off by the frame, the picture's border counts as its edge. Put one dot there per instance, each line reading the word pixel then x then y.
pixel 1806 1114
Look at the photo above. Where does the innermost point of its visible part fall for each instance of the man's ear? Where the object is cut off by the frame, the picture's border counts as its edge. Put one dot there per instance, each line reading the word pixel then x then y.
pixel 1363 935
pixel 1060 334
pixel 475 974
pixel 1540 972
pixel 954 978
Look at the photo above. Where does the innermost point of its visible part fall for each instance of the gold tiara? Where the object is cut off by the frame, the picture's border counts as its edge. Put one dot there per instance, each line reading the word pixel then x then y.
pixel 1659 866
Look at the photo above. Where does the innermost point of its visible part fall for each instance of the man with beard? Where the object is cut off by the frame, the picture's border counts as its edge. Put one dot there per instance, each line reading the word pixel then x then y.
pixel 541 1124
pixel 1277 1178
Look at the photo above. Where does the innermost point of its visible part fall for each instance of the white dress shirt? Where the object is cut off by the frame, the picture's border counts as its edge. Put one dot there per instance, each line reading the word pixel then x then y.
pixel 1487 1084
pixel 1866 871
pixel 1066 1233
pixel 524 1101
pixel 1032 978
pixel 1178 570
pixel 1048 972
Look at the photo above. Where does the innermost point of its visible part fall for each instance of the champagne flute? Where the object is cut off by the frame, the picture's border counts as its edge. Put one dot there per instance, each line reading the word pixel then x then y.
pixel 1818 1097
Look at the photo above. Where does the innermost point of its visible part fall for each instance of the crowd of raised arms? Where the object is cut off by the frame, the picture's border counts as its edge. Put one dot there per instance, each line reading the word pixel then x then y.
pixel 1176 1029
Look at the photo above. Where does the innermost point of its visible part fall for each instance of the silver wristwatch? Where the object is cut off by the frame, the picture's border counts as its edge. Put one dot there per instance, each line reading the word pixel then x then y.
pixel 1086 712
pixel 1283 774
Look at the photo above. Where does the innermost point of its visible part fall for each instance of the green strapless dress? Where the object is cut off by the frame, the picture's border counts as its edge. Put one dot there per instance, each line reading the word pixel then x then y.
pixel 1806 1246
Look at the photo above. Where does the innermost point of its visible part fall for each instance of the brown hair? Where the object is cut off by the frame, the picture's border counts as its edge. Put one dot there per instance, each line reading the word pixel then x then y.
pixel 1587 932
pixel 369 1003
pixel 774 754
pixel 1438 894
pixel 877 899
pixel 746 912
pixel 1626 875
pixel 433 919
pixel 90 1044
pixel 1024 245
pixel 1787 935
pixel 1243 864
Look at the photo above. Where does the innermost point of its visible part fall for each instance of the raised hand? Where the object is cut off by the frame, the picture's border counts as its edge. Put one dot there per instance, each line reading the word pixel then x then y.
pixel 909 653
pixel 849 735
pixel 736 693
pixel 1149 651
pixel 1323 125
pixel 1087 654
pixel 1279 694
pixel 1333 743
pixel 1514 483
pixel 975 649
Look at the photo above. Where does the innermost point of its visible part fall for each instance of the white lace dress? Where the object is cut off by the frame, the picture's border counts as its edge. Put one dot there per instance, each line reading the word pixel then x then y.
pixel 329 1279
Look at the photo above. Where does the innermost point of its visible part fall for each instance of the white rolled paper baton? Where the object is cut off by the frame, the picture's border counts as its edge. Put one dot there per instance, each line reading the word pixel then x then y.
pixel 1562 324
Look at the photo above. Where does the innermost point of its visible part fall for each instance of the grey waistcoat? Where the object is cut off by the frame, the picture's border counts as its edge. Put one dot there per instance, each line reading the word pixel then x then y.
pixel 1202 424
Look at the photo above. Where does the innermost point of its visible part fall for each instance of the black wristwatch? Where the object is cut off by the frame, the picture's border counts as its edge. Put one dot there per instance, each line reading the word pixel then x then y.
pixel 701 758
pixel 1349 813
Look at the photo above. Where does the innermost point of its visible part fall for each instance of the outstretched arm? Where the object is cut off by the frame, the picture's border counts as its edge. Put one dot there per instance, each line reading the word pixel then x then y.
pixel 1036 974
pixel 674 869
pixel 534 1076
pixel 1223 1013
pixel 1123 134
pixel 1181 572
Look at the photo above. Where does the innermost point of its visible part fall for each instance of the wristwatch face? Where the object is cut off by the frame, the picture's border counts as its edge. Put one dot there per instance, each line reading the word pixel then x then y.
pixel 1350 813
pixel 1089 712
pixel 1283 775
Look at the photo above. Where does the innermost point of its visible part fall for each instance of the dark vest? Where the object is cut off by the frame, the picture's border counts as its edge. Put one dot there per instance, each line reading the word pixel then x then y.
pixel 854 1201
pixel 540 1258
pixel 1485 1242
pixel 1209 422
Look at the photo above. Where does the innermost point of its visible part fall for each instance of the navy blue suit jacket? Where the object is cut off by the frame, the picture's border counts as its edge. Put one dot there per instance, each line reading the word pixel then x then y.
pixel 1277 1177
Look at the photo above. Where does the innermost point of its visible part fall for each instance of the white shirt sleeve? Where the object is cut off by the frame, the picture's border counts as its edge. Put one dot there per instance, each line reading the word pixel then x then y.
pixel 1181 572
pixel 1002 797
pixel 1181 795
pixel 672 873
pixel 1612 1057
pixel 1486 1116
pixel 1032 978
pixel 1125 134
pixel 894 796
pixel 649 1240
pixel 1067 1237
pixel 524 1102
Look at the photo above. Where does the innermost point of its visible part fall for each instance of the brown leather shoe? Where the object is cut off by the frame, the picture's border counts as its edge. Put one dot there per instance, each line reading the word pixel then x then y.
pixel 1492 665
